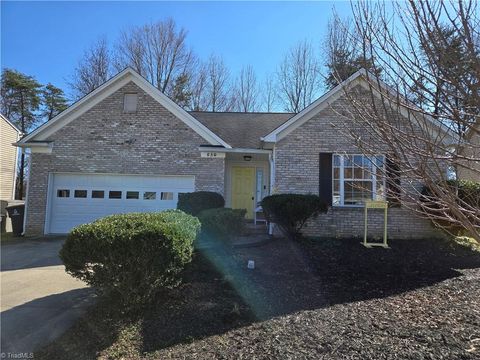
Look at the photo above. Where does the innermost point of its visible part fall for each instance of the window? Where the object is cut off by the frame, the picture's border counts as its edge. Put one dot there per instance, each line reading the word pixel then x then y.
pixel 80 193
pixel 166 196
pixel 132 194
pixel 357 178
pixel 130 102
pixel 114 194
pixel 98 194
pixel 63 193
pixel 149 195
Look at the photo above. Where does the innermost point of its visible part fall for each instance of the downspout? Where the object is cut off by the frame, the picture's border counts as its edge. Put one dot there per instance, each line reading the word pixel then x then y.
pixel 14 192
pixel 271 160
pixel 28 191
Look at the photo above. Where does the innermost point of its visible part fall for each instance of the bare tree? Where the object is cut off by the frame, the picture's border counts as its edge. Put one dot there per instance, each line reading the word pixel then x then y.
pixel 269 94
pixel 218 90
pixel 159 52
pixel 130 50
pixel 93 69
pixel 246 90
pixel 198 88
pixel 298 77
pixel 417 53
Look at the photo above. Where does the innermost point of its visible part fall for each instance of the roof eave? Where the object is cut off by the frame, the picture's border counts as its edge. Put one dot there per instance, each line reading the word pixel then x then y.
pixel 117 80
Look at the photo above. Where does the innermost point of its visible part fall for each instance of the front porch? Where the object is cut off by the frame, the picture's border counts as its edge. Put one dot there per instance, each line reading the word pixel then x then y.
pixel 247 176
pixel 247 180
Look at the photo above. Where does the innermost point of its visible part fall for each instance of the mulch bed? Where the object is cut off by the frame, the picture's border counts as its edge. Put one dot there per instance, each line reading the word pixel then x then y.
pixel 317 299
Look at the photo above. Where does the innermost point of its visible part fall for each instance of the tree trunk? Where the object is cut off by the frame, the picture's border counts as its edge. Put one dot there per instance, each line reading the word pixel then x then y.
pixel 21 176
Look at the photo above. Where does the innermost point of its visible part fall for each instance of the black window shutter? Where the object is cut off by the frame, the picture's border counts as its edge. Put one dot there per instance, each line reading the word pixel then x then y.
pixel 325 178
pixel 393 182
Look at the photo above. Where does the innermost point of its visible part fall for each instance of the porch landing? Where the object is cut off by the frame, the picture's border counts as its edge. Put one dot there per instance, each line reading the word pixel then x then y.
pixel 254 235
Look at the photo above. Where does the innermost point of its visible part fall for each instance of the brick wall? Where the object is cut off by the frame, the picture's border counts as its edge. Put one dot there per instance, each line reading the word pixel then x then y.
pixel 297 170
pixel 151 141
pixel 349 222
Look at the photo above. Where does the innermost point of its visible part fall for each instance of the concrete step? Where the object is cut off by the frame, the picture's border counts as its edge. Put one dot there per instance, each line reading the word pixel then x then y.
pixel 252 229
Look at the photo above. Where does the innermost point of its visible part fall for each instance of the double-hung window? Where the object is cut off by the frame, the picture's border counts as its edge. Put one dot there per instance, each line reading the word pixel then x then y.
pixel 357 178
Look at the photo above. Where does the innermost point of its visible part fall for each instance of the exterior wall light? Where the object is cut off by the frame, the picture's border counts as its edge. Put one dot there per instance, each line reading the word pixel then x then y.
pixel 247 157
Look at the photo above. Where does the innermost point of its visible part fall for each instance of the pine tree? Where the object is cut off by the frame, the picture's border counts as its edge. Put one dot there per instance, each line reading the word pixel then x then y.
pixel 345 53
pixel 20 103
pixel 344 65
pixel 20 99
pixel 181 93
pixel 53 101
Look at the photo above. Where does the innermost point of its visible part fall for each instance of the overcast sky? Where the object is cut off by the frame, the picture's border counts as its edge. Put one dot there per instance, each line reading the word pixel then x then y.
pixel 46 39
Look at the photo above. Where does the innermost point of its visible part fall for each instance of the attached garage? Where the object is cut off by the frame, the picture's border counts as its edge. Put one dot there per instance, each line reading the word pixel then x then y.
pixel 75 199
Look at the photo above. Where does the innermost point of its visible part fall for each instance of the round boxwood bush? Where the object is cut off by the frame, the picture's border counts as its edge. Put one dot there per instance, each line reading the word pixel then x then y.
pixel 194 202
pixel 222 223
pixel 131 256
pixel 291 211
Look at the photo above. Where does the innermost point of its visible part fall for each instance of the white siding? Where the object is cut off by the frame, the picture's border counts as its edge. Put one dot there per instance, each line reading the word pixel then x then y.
pixel 8 159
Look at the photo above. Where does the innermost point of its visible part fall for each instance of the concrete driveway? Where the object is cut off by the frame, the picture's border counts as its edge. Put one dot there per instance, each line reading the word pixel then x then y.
pixel 39 301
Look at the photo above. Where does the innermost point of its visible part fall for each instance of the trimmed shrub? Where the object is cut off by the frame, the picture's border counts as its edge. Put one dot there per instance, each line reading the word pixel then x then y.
pixel 193 203
pixel 222 223
pixel 467 191
pixel 131 257
pixel 291 211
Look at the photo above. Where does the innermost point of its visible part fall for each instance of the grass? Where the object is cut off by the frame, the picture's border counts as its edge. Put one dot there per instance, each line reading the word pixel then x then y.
pixel 467 242
pixel 11 238
pixel 318 298
pixel 6 238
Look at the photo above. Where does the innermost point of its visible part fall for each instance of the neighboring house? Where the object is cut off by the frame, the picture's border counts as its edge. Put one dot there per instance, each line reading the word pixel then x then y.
pixel 472 151
pixel 127 147
pixel 9 134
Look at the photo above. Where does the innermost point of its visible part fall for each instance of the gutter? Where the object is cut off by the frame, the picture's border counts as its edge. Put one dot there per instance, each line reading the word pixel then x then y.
pixel 235 150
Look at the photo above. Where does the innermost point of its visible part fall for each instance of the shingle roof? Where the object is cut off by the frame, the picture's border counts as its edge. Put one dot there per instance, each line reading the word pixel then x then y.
pixel 241 130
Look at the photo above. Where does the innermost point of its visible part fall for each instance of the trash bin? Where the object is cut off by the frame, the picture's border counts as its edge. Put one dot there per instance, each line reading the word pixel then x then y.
pixel 16 213
pixel 3 223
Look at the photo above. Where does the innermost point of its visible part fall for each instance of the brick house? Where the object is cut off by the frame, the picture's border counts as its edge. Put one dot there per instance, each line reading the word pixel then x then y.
pixel 127 147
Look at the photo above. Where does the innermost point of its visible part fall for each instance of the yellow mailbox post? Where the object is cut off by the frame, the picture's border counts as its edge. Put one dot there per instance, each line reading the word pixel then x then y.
pixel 375 204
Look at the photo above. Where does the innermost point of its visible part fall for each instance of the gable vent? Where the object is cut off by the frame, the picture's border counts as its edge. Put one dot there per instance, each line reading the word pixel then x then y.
pixel 130 102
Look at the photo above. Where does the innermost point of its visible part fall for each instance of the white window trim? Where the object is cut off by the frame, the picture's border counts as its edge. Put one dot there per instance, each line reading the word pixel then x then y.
pixel 342 179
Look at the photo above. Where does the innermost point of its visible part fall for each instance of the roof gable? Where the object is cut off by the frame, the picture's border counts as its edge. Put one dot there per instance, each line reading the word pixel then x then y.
pixel 4 118
pixel 241 129
pixel 105 90
pixel 358 78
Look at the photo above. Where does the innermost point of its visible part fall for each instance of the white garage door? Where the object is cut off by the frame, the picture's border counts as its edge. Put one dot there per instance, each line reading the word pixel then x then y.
pixel 81 198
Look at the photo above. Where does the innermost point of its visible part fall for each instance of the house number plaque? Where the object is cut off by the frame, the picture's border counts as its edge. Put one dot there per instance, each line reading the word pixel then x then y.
pixel 212 154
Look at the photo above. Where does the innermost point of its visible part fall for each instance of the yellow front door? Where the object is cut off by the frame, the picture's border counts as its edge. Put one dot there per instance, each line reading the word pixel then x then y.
pixel 243 189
